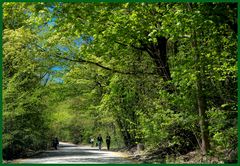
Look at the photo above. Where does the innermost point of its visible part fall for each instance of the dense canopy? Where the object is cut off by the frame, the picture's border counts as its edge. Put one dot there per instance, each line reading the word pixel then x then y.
pixel 161 74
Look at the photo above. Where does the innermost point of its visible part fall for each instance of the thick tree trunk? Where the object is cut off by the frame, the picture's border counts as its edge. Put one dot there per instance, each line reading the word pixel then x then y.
pixel 126 135
pixel 159 54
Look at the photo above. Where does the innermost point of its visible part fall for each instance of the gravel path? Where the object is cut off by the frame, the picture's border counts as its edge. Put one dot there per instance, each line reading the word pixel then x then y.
pixel 68 153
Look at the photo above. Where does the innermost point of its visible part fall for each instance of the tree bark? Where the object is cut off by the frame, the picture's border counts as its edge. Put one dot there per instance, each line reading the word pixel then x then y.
pixel 201 102
pixel 126 135
pixel 159 54
pixel 203 119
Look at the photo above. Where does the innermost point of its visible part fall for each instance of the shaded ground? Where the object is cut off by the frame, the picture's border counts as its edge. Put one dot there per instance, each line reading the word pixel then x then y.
pixel 69 153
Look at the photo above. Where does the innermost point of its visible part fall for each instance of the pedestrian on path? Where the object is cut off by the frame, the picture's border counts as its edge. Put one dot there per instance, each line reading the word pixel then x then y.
pixel 92 141
pixel 100 140
pixel 55 143
pixel 108 140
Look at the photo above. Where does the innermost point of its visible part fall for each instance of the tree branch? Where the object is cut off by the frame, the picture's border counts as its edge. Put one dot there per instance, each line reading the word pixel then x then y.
pixel 99 65
pixel 133 46
pixel 105 67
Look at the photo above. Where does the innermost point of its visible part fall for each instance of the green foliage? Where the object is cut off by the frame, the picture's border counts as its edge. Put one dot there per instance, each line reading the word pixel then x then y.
pixel 116 76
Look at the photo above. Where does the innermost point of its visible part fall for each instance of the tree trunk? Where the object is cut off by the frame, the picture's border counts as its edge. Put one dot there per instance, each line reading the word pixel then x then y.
pixel 201 102
pixel 203 119
pixel 126 135
pixel 159 54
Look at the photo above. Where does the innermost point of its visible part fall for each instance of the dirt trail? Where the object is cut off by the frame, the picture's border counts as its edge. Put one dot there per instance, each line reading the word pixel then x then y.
pixel 69 153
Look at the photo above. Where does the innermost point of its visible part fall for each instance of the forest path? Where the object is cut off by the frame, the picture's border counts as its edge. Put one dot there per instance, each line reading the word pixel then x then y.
pixel 68 153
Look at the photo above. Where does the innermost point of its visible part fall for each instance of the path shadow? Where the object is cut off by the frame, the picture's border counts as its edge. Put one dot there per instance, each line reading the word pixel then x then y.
pixel 64 153
pixel 67 145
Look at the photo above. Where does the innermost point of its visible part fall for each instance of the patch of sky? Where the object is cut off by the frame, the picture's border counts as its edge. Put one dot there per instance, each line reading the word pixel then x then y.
pixel 52 22
pixel 88 39
pixel 62 48
pixel 66 52
pixel 57 68
pixel 51 8
pixel 50 78
pixel 83 40
pixel 78 41
pixel 53 76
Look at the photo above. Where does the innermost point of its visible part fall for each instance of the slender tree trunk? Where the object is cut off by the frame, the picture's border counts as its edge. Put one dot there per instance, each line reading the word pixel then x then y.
pixel 203 119
pixel 201 102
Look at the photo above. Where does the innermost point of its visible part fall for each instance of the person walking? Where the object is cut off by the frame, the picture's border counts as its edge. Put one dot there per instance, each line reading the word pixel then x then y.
pixel 100 140
pixel 92 141
pixel 108 140
pixel 55 143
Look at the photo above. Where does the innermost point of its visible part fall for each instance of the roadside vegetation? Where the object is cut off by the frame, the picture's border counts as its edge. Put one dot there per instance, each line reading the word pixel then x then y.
pixel 163 75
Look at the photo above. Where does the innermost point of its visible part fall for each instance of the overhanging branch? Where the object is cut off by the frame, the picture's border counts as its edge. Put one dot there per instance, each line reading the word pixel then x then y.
pixel 57 55
pixel 105 67
pixel 133 46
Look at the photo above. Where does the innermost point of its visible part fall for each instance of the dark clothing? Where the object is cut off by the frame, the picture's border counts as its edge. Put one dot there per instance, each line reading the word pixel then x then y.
pixel 55 143
pixel 99 140
pixel 108 140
